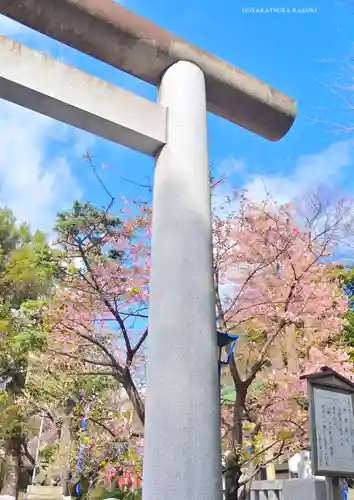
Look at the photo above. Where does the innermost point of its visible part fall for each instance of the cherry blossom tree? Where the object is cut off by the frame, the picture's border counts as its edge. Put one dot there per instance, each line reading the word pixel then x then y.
pixel 71 452
pixel 277 288
pixel 100 310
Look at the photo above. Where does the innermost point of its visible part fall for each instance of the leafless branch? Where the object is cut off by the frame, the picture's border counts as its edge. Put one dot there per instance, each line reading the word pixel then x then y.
pixel 79 358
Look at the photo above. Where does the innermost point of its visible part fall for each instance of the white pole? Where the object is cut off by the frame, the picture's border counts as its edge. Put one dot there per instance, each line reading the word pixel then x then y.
pixel 37 451
pixel 182 432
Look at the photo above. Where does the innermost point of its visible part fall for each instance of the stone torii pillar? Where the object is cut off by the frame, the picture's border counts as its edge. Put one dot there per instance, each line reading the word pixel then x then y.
pixel 182 429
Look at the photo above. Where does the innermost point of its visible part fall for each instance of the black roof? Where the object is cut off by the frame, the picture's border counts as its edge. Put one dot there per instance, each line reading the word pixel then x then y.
pixel 323 373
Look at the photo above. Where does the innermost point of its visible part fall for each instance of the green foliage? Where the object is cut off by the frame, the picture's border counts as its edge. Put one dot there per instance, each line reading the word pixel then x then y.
pixel 348 330
pixel 4 397
pixel 27 269
pixel 11 235
pixel 347 281
pixel 41 382
pixel 12 415
pixel 28 339
pixel 86 227
pixel 48 453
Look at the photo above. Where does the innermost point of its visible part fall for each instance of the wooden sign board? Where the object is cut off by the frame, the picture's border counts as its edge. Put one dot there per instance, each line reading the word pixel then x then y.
pixel 331 414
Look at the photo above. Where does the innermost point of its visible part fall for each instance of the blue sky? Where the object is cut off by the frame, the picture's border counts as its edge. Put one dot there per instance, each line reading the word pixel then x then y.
pixel 304 55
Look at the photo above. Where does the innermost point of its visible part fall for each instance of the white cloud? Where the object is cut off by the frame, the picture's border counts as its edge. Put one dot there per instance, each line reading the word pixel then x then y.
pixel 229 166
pixel 36 179
pixel 324 168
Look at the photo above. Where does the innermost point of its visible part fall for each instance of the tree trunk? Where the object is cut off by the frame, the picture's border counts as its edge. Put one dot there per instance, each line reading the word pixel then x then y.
pixel 134 396
pixel 232 478
pixel 64 452
pixel 233 469
pixel 13 442
pixel 61 466
pixel 292 354
pixel 247 479
pixel 239 408
pixel 12 467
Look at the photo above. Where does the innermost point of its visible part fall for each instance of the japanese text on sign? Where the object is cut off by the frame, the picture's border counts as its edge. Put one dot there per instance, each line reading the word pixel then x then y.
pixel 334 428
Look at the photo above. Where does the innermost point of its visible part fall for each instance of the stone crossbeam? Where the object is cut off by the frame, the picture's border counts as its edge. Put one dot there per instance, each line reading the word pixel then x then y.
pixel 38 82
pixel 127 41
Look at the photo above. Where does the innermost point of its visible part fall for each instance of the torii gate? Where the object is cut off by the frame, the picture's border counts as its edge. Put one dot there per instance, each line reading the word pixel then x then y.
pixel 182 432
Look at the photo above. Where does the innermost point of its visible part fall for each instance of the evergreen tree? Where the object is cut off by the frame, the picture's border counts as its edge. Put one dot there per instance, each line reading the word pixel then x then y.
pixel 27 268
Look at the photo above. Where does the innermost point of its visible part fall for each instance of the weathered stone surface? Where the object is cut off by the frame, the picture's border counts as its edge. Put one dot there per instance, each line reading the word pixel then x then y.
pixel 301 489
pixel 35 492
pixel 289 489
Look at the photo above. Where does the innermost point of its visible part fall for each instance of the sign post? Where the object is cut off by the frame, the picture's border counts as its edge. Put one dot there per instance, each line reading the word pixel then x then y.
pixel 331 416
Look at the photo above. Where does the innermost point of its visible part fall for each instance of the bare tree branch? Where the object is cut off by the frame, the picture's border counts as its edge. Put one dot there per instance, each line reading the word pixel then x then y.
pixel 79 358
